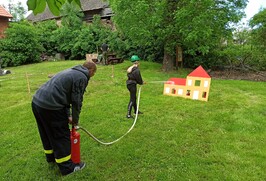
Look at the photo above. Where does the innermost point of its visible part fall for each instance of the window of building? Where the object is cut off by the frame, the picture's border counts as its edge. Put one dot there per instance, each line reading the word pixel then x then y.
pixel 173 91
pixel 180 91
pixel 188 93
pixel 189 82
pixel 206 83
pixel 197 83
pixel 204 94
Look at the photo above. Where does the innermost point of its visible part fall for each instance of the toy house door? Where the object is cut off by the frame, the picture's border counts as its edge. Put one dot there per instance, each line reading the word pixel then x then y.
pixel 195 95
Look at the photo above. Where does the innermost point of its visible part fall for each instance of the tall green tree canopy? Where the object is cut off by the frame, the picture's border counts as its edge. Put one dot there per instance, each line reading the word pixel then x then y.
pixel 196 26
pixel 258 22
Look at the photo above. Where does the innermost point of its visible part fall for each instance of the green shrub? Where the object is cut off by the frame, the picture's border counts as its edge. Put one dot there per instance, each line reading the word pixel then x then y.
pixel 21 45
pixel 45 32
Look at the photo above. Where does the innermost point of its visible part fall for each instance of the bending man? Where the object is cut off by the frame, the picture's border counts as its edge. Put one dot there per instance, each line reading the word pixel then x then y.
pixel 51 107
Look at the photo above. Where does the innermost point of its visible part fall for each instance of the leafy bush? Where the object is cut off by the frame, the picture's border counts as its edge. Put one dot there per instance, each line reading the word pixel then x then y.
pixel 90 38
pixel 64 38
pixel 45 31
pixel 21 45
pixel 76 41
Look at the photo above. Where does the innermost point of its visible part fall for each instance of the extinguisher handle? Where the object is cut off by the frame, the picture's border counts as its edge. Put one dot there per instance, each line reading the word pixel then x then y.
pixel 73 129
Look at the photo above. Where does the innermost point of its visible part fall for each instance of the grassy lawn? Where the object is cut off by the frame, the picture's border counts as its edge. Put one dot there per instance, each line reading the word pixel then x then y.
pixel 175 138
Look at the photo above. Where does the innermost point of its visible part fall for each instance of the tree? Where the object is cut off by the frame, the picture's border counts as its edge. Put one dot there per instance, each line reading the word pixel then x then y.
pixel 196 26
pixel 70 29
pixel 16 10
pixel 258 23
pixel 238 50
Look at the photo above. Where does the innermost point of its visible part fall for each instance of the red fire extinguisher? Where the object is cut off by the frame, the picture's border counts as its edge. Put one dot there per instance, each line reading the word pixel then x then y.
pixel 75 145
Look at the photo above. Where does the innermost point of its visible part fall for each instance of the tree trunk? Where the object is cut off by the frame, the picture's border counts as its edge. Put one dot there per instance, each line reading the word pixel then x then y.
pixel 168 61
pixel 169 49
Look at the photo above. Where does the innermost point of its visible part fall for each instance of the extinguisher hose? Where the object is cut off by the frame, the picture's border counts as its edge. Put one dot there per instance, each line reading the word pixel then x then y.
pixel 109 143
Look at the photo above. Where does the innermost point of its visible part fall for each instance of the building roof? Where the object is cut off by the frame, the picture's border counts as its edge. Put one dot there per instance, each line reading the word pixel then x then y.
pixel 86 5
pixel 199 72
pixel 176 81
pixel 4 13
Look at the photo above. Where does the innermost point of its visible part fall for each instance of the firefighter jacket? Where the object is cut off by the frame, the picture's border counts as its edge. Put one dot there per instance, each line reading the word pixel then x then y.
pixel 64 90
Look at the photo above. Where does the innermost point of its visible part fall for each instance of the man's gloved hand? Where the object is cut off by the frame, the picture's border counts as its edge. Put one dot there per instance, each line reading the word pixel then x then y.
pixel 70 119
pixel 75 125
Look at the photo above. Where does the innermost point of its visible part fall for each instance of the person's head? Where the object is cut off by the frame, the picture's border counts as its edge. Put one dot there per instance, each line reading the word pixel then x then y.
pixel 91 66
pixel 135 59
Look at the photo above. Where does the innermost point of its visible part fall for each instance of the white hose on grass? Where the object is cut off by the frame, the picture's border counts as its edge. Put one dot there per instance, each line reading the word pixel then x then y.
pixel 161 82
pixel 109 143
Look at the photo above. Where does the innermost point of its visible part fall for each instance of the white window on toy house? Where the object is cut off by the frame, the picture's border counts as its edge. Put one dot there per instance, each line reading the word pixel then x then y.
pixel 195 95
pixel 189 82
pixel 180 91
pixel 167 90
pixel 206 83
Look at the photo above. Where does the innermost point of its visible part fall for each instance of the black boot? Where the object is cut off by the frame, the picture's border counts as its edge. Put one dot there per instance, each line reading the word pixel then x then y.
pixel 78 166
pixel 129 116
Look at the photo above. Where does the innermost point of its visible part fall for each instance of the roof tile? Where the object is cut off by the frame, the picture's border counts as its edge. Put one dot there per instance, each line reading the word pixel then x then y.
pixel 176 81
pixel 4 13
pixel 86 5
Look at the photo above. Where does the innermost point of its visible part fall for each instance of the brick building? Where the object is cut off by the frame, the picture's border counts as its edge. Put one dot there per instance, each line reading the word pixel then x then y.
pixel 5 17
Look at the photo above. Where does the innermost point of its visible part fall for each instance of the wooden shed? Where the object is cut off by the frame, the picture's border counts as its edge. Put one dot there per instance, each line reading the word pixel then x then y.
pixel 89 8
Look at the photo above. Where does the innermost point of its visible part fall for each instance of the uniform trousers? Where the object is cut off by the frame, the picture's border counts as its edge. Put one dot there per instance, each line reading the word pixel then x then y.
pixel 55 136
pixel 133 98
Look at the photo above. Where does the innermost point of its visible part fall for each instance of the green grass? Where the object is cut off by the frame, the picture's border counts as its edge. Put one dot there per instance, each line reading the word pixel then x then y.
pixel 175 139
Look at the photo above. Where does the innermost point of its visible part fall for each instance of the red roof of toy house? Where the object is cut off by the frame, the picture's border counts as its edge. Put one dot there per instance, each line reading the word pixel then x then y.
pixel 4 13
pixel 176 81
pixel 199 72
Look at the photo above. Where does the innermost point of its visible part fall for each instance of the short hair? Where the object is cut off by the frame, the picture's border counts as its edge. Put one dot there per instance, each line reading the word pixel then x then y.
pixel 90 65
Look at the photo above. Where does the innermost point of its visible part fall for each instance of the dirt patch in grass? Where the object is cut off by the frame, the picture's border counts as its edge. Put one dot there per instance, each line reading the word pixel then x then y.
pixel 238 75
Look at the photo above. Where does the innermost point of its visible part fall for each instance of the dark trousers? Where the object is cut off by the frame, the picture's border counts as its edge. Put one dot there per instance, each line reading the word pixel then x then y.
pixel 55 135
pixel 132 102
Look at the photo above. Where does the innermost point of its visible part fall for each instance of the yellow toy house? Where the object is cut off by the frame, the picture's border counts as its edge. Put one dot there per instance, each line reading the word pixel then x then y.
pixel 196 86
